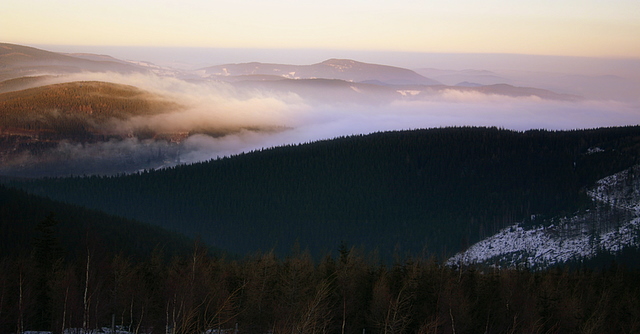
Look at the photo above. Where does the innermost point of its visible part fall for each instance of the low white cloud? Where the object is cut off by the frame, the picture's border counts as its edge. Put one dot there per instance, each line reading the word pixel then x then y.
pixel 286 118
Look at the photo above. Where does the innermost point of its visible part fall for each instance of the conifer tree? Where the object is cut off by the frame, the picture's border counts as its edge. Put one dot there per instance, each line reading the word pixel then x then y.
pixel 47 254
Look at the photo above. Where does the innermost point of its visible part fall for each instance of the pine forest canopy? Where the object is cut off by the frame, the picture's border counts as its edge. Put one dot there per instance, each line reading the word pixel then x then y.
pixel 433 190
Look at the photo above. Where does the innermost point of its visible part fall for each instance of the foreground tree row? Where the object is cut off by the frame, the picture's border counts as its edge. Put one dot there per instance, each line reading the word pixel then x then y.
pixel 343 294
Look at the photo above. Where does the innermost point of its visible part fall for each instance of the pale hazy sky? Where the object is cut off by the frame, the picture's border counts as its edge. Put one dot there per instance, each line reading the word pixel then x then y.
pixel 592 28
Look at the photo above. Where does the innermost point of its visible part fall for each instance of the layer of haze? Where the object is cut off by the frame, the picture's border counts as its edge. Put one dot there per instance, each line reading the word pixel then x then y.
pixel 591 28
pixel 290 119
pixel 190 58
pixel 255 119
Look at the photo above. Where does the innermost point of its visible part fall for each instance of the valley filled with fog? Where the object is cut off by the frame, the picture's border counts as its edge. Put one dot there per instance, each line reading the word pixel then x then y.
pixel 224 110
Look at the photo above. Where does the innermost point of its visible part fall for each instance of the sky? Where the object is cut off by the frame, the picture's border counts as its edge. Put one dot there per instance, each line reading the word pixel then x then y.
pixel 583 28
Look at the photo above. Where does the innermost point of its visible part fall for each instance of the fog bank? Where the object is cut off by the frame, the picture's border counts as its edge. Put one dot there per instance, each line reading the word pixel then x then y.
pixel 221 120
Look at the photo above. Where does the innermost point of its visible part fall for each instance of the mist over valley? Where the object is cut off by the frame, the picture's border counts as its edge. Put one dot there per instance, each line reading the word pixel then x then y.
pixel 334 167
pixel 83 114
pixel 227 109
pixel 88 114
pixel 268 189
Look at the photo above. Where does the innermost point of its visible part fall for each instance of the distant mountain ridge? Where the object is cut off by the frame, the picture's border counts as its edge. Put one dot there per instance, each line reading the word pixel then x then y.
pixel 392 82
pixel 19 61
pixel 452 77
pixel 343 69
pixel 334 83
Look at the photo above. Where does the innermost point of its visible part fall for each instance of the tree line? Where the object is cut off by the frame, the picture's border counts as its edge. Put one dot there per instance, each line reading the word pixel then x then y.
pixel 262 293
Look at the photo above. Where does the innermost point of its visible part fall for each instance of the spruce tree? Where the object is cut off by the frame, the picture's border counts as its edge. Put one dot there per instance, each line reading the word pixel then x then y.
pixel 47 254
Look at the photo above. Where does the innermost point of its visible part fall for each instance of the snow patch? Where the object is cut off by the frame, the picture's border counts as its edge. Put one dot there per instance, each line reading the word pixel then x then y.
pixel 408 92
pixel 614 225
pixel 593 150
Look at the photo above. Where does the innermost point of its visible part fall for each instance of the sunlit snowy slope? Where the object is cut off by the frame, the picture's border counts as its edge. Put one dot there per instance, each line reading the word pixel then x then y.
pixel 613 225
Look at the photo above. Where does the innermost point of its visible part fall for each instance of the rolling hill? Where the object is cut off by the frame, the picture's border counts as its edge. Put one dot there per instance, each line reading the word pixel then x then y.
pixel 342 69
pixel 19 61
pixel 26 82
pixel 363 82
pixel 349 81
pixel 91 103
pixel 35 122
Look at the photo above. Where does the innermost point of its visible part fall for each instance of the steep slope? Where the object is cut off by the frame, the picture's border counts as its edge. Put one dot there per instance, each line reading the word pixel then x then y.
pixel 438 190
pixel 610 227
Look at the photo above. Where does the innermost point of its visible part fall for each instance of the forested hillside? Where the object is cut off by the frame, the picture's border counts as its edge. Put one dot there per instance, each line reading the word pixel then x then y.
pixel 75 108
pixel 437 190
pixel 43 247
pixel 77 270
pixel 74 229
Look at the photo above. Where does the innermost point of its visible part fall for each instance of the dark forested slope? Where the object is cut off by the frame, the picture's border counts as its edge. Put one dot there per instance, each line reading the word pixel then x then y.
pixel 77 228
pixel 436 189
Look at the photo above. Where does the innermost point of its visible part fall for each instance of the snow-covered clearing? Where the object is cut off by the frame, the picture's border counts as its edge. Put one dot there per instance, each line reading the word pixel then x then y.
pixel 612 227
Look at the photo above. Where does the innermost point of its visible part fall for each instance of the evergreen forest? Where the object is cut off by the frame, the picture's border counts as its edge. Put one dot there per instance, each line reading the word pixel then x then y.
pixel 340 236
pixel 349 235
pixel 75 110
pixel 74 227
pixel 349 293
pixel 432 191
